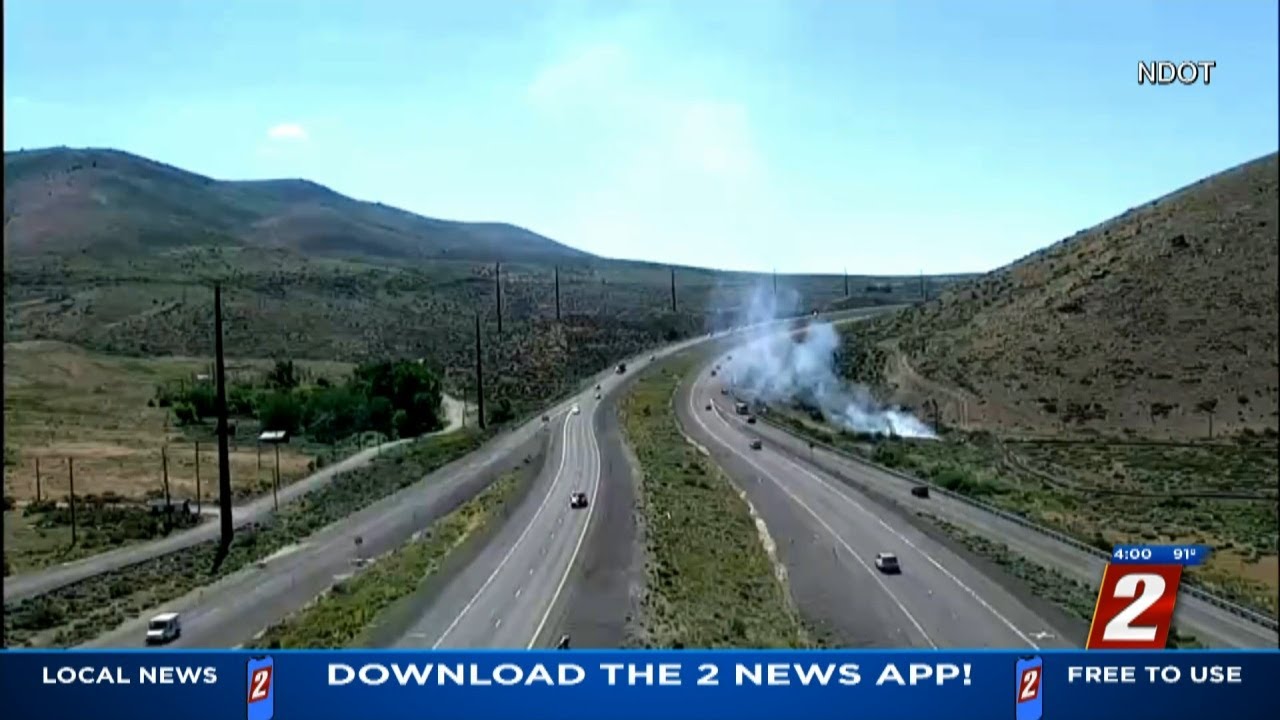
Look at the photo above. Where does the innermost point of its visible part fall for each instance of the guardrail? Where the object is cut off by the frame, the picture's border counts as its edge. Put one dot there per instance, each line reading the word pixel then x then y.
pixel 1188 587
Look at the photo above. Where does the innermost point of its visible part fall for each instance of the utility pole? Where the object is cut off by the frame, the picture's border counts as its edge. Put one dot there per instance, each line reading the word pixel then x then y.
pixel 71 485
pixel 224 456
pixel 37 479
pixel 199 497
pixel 275 481
pixel 480 369
pixel 557 296
pixel 846 282
pixel 924 291
pixel 497 287
pixel 164 477
pixel 673 290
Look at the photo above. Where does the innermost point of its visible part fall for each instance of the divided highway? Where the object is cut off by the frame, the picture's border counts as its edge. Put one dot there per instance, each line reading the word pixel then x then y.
pixel 828 535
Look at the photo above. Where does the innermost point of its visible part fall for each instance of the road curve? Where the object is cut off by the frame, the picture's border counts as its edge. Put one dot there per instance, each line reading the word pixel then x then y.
pixel 17 587
pixel 1210 624
pixel 828 534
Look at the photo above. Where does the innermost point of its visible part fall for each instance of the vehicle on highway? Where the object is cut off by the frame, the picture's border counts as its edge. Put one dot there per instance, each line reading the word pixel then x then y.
pixel 708 406
pixel 751 419
pixel 622 367
pixel 546 418
pixel 575 410
pixel 163 628
pixel 651 357
pixel 756 444
pixel 564 643
pixel 578 500
pixel 888 563
pixel 713 373
pixel 740 408
pixel 920 491
pixel 597 396
pixel 724 391
pixel 597 387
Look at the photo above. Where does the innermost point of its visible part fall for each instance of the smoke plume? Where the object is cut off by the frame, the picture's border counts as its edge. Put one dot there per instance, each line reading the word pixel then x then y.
pixel 781 369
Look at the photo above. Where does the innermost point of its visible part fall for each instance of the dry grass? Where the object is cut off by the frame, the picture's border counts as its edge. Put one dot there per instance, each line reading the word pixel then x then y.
pixel 1123 330
pixel 64 402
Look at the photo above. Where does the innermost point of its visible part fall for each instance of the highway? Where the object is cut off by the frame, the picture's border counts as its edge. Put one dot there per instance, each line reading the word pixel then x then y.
pixel 503 598
pixel 828 535
pixel 1211 625
pixel 17 587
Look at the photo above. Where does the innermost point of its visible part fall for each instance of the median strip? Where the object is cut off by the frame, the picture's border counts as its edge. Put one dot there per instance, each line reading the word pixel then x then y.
pixel 344 615
pixel 709 579
pixel 78 612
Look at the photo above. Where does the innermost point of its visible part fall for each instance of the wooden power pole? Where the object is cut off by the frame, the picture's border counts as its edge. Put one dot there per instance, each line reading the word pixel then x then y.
pixel 224 455
pixel 480 375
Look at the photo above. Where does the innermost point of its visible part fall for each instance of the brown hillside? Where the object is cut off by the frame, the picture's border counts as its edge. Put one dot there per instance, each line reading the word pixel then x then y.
pixel 1136 327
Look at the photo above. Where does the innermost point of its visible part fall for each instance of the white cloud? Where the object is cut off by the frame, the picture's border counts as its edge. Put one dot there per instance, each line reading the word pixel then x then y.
pixel 290 132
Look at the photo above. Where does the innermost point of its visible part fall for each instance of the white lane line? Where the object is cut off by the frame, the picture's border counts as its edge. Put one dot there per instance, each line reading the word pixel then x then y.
pixel 874 575
pixel 591 507
pixel 960 583
pixel 564 452
pixel 518 590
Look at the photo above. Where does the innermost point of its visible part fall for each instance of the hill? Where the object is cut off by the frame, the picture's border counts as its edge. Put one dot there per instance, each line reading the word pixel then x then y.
pixel 1160 323
pixel 106 202
pixel 117 254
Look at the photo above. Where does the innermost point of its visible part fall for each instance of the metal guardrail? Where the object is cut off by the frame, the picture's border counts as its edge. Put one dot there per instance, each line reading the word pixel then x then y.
pixel 1188 587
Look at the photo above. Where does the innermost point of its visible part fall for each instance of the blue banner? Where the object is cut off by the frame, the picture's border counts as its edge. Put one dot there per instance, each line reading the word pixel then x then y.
pixel 639 685
pixel 1185 555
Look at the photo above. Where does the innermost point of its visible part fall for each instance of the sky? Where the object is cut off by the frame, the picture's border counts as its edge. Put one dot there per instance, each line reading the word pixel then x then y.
pixel 870 136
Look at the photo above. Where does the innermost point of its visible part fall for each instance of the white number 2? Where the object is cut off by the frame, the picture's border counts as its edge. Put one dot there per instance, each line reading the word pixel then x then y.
pixel 1030 685
pixel 1121 627
pixel 260 684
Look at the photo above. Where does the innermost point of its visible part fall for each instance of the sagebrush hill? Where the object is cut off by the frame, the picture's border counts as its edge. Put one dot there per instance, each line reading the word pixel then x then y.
pixel 118 254
pixel 100 202
pixel 1160 323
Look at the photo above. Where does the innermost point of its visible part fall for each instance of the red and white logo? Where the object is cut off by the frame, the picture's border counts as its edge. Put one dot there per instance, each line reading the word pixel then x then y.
pixel 260 684
pixel 1029 685
pixel 1135 607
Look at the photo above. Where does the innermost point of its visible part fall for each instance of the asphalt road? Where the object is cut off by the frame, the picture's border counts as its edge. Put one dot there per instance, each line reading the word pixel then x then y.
pixel 828 535
pixel 504 596
pixel 17 587
pixel 1211 625
pixel 230 612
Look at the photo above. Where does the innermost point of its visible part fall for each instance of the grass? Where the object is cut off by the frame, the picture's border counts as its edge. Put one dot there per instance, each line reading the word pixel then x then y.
pixel 710 581
pixel 1082 503
pixel 78 612
pixel 342 616
pixel 38 536
pixel 62 401
pixel 1072 596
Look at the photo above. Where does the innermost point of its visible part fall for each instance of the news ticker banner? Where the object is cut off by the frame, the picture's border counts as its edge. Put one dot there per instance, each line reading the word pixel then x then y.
pixel 639 685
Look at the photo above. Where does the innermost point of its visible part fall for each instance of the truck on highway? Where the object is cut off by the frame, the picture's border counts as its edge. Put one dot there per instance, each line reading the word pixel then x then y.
pixel 622 368
pixel 740 408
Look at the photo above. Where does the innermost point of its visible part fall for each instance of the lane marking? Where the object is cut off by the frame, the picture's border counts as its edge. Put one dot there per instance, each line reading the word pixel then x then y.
pixel 518 590
pixel 845 497
pixel 591 508
pixel 858 558
pixel 960 583
pixel 564 452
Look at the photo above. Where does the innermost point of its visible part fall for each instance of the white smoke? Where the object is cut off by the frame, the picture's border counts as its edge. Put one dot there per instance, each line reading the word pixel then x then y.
pixel 781 369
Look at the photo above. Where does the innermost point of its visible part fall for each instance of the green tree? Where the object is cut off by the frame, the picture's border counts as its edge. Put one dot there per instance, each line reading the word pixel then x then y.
pixel 284 376
pixel 281 411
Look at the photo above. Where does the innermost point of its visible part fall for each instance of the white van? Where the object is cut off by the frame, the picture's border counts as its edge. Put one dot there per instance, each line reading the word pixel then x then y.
pixel 163 628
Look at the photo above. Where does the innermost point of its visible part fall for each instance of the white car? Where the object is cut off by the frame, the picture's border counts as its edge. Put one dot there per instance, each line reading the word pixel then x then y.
pixel 888 563
pixel 575 410
pixel 164 628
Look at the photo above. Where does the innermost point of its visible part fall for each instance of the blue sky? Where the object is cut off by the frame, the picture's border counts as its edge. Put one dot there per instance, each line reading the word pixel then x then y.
pixel 807 136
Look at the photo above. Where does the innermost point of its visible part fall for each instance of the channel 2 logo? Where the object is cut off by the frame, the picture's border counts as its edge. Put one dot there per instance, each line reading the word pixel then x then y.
pixel 261 695
pixel 1029 702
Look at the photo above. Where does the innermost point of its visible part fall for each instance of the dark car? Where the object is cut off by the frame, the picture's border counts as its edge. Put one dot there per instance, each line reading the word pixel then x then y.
pixel 751 419
pixel 756 444
pixel 708 406
pixel 578 500
pixel 564 643
pixel 920 491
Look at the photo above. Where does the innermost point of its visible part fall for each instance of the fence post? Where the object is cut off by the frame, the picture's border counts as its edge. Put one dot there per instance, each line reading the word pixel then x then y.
pixel 71 484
